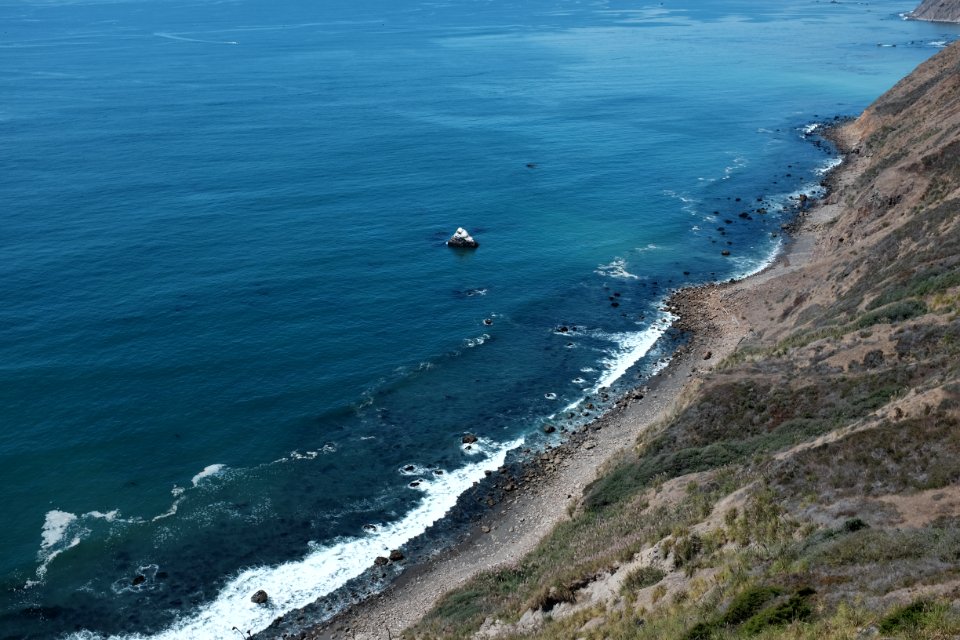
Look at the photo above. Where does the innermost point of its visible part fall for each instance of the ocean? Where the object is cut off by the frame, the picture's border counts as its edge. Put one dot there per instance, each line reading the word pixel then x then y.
pixel 235 352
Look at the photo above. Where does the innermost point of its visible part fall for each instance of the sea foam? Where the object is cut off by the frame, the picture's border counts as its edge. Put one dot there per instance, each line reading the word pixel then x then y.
pixel 616 269
pixel 62 531
pixel 326 567
pixel 631 347
pixel 208 471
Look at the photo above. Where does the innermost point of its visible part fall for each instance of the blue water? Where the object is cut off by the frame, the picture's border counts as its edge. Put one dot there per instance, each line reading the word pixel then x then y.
pixel 228 317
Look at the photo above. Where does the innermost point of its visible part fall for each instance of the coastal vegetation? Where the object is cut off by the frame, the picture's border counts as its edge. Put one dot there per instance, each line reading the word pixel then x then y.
pixel 809 485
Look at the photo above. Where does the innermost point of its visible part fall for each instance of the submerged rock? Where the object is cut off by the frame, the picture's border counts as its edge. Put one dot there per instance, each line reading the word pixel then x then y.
pixel 462 240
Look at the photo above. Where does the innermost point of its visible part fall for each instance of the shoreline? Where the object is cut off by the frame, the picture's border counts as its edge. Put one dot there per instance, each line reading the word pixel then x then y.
pixel 550 483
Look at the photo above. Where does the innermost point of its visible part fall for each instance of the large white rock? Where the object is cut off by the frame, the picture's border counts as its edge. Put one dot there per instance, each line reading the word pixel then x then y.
pixel 462 239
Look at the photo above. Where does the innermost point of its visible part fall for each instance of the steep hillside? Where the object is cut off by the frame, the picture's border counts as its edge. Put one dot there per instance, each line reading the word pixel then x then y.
pixel 807 486
pixel 937 11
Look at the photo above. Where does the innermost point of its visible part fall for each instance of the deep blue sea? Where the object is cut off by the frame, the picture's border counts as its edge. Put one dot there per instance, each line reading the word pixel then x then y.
pixel 231 334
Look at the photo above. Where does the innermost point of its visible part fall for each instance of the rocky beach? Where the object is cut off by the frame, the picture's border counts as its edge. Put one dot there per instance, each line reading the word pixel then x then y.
pixel 729 323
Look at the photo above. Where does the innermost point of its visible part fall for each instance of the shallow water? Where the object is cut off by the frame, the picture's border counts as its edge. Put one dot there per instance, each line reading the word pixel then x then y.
pixel 229 318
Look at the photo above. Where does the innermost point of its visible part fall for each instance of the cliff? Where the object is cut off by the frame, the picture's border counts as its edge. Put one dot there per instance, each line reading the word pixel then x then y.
pixel 937 11
pixel 807 484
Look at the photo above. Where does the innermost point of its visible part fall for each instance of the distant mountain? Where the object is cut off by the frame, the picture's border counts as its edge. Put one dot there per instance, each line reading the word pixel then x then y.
pixel 937 11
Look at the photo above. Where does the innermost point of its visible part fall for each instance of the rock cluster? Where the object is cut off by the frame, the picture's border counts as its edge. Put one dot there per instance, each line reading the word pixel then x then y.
pixel 462 240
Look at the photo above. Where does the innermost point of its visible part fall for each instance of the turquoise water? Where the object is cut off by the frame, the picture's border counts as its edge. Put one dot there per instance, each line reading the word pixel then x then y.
pixel 229 322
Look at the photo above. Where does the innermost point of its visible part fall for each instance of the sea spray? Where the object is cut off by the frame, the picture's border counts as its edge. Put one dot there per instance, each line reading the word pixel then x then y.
pixel 326 567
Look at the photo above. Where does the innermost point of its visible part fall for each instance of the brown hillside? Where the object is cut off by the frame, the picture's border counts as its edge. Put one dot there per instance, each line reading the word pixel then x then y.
pixel 937 11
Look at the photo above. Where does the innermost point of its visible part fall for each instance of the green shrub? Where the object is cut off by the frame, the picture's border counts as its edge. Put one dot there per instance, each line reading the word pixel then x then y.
pixel 700 631
pixel 894 312
pixel 925 284
pixel 906 618
pixel 642 578
pixel 685 549
pixel 748 604
pixel 795 608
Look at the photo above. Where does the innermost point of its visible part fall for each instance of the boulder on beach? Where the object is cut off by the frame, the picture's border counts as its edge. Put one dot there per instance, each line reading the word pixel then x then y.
pixel 462 240
pixel 396 555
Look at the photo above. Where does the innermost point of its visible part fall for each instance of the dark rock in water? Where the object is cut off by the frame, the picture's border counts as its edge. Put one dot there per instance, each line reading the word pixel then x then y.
pixel 549 428
pixel 469 439
pixel 531 165
pixel 724 253
pixel 462 240
pixel 409 467
pixel 380 561
pixel 260 597
pixel 396 555
pixel 438 472
pixel 140 579
pixel 369 528
pixel 487 321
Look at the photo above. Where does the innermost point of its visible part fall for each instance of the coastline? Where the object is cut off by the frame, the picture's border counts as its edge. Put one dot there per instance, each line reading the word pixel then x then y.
pixel 549 485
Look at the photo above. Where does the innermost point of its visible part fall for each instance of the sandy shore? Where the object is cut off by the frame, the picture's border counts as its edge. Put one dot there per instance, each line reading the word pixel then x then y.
pixel 719 317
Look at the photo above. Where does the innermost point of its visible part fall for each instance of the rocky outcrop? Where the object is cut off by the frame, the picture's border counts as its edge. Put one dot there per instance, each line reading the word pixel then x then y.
pixel 937 11
pixel 462 240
